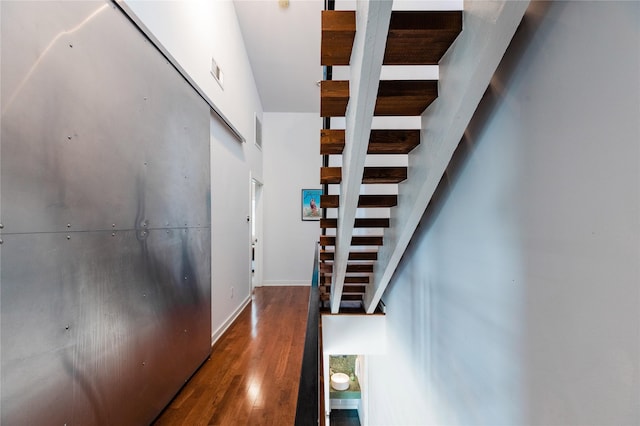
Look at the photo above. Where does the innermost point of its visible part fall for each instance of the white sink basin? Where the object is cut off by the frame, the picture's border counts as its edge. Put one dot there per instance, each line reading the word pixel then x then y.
pixel 340 381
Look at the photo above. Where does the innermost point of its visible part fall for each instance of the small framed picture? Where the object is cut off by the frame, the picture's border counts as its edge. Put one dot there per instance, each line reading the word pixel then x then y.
pixel 311 204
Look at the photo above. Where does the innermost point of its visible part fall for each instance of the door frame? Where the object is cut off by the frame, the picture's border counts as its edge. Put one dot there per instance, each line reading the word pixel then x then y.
pixel 256 241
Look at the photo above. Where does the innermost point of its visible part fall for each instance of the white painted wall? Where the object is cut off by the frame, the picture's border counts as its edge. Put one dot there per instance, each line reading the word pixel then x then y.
pixel 230 229
pixel 518 301
pixel 192 32
pixel 291 146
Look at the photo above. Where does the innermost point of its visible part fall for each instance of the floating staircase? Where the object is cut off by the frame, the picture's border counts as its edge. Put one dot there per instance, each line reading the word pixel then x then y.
pixel 414 38
pixel 359 249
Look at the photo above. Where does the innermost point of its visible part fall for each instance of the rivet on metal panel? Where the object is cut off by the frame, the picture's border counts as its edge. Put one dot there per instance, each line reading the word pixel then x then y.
pixel 1 241
pixel 71 45
pixel 167 231
pixel 113 234
pixel 167 224
pixel 144 232
pixel 185 330
pixel 69 137
pixel 66 327
pixel 2 226
pixel 144 363
pixel 185 278
pixel 113 225
pixel 68 225
pixel 144 294
pixel 68 237
pixel 145 163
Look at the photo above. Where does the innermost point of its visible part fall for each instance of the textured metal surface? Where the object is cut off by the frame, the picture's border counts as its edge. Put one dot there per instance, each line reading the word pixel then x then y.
pixel 105 296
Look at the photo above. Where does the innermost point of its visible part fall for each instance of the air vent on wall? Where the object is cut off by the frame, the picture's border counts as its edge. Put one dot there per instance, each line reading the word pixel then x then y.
pixel 216 72
pixel 258 126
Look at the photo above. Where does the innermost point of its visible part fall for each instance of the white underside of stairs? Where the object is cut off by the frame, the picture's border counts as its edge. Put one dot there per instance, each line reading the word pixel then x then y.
pixel 464 74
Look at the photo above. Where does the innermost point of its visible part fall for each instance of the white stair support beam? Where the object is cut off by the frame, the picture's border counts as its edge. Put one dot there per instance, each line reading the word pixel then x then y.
pixel 466 71
pixel 372 26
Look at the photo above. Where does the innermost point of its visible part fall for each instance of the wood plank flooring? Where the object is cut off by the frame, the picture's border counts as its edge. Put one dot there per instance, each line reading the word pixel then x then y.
pixel 252 375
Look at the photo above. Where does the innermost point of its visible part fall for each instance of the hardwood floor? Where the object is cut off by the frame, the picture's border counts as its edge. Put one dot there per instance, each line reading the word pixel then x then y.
pixel 252 375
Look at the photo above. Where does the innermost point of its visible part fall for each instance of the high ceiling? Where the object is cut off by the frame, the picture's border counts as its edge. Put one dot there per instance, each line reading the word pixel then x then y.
pixel 283 44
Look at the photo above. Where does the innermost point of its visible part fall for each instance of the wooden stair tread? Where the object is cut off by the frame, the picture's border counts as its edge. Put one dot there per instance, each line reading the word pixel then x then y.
pixel 338 32
pixel 353 297
pixel 384 175
pixel 373 201
pixel 393 141
pixel 356 240
pixel 331 141
pixel 360 281
pixel 367 268
pixel 394 98
pixel 359 223
pixel 329 201
pixel 380 141
pixel 357 284
pixel 405 97
pixel 421 37
pixel 329 175
pixel 414 38
pixel 352 288
pixel 334 96
pixel 364 201
pixel 354 255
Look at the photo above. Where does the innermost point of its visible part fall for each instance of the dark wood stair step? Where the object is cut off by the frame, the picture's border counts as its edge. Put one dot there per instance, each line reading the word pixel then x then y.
pixel 325 297
pixel 354 284
pixel 395 97
pixel 414 38
pixel 338 32
pixel 420 37
pixel 380 141
pixel 326 255
pixel 373 201
pixel 334 96
pixel 332 141
pixel 359 223
pixel 405 97
pixel 364 201
pixel 371 175
pixel 330 174
pixel 350 289
pixel 329 201
pixel 384 175
pixel 366 268
pixel 357 240
pixel 368 240
pixel 393 141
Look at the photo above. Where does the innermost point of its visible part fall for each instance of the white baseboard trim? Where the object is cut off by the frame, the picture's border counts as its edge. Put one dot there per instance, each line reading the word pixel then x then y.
pixel 220 331
pixel 285 283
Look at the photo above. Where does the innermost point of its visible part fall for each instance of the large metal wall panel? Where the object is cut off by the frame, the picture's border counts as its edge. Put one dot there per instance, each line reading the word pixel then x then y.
pixel 105 236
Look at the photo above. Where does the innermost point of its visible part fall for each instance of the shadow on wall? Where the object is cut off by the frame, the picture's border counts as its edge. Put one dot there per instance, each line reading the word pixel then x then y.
pixel 511 305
